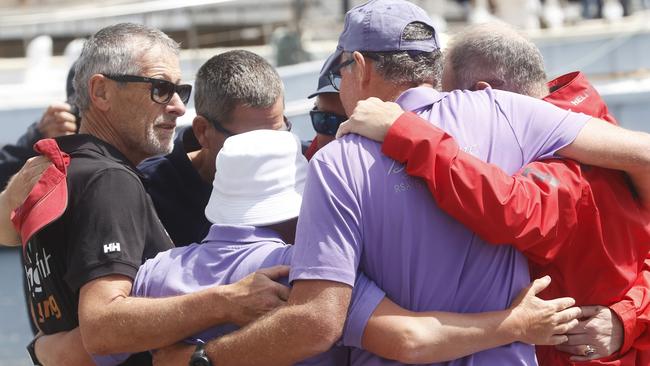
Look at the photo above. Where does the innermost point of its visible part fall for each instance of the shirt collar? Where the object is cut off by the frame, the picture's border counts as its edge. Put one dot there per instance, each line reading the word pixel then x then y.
pixel 75 143
pixel 240 234
pixel 418 98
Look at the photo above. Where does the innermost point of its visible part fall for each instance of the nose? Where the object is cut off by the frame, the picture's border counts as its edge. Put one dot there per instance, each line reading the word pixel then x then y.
pixel 175 106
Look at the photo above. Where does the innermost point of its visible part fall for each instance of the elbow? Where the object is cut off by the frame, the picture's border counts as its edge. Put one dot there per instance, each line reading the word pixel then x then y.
pixel 93 337
pixel 328 332
pixel 413 347
pixel 319 333
pixel 94 344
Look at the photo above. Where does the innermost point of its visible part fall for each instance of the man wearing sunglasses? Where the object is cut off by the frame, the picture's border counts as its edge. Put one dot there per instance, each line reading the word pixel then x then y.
pixel 80 264
pixel 326 116
pixel 235 92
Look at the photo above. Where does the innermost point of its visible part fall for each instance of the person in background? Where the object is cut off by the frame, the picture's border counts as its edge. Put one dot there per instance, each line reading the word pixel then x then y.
pixel 326 116
pixel 59 119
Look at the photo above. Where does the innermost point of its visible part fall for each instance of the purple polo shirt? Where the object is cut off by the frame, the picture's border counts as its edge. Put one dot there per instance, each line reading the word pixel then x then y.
pixel 228 254
pixel 361 211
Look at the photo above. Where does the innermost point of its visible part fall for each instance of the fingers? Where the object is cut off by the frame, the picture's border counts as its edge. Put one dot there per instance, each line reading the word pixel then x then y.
pixel 57 120
pixel 344 129
pixel 556 340
pixel 565 327
pixel 562 303
pixel 58 106
pixel 580 339
pixel 578 352
pixel 68 128
pixel 581 328
pixel 282 291
pixel 275 272
pixel 589 311
pixel 569 314
pixel 22 182
pixel 540 284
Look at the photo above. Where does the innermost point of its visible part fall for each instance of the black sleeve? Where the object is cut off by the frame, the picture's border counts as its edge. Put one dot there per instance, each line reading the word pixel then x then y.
pixel 13 157
pixel 108 228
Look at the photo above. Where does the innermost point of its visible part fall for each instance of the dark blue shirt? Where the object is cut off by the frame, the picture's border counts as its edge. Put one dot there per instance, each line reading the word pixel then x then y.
pixel 178 192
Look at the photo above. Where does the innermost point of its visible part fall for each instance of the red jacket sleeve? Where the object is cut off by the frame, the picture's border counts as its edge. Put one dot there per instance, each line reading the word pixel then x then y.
pixel 634 312
pixel 522 210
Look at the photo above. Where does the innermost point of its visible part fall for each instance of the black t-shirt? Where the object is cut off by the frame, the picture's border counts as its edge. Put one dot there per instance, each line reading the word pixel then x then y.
pixel 109 227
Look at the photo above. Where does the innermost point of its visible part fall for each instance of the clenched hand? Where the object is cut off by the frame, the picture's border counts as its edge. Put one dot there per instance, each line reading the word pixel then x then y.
pixel 257 294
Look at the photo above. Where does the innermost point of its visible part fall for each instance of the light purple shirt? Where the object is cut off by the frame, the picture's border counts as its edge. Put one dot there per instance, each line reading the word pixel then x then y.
pixel 228 254
pixel 361 211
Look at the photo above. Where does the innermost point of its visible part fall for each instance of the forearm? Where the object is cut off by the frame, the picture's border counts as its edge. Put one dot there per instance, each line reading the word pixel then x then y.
pixel 430 337
pixel 602 144
pixel 174 355
pixel 310 324
pixel 64 348
pixel 140 324
pixel 8 234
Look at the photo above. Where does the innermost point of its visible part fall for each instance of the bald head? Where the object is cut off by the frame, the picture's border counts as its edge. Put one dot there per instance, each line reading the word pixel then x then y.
pixel 497 54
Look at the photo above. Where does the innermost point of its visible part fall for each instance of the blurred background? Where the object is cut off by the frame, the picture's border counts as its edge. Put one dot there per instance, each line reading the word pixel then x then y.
pixel 609 40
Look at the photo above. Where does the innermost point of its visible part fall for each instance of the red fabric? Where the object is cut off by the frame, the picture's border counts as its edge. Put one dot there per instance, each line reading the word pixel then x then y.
pixel 311 150
pixel 48 198
pixel 573 92
pixel 582 225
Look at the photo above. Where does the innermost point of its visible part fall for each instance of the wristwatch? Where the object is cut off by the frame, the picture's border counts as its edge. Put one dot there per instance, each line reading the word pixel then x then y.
pixel 200 357
pixel 32 351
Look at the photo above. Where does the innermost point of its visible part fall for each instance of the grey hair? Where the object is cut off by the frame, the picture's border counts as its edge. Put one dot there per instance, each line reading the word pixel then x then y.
pixel 409 67
pixel 116 49
pixel 498 54
pixel 235 78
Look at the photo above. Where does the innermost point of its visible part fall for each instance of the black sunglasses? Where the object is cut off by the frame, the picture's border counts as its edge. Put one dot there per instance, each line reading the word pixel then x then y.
pixel 326 123
pixel 162 90
pixel 226 132
pixel 334 75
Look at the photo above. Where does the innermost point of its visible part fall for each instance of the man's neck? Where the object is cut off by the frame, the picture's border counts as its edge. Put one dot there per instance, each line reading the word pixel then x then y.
pixel 203 163
pixel 99 126
pixel 390 93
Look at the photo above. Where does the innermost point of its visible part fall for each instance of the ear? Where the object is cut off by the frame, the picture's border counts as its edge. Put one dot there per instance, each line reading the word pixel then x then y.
pixel 363 69
pixel 480 85
pixel 100 92
pixel 205 133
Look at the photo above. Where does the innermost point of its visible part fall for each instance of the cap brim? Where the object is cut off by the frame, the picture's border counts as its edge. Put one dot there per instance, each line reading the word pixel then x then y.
pixel 46 202
pixel 324 90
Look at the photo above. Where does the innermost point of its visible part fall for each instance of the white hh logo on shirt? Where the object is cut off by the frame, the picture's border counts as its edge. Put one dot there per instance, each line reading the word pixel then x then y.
pixel 111 248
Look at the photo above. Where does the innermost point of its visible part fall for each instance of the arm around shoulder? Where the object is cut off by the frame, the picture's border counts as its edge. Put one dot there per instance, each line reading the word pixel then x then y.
pixel 602 144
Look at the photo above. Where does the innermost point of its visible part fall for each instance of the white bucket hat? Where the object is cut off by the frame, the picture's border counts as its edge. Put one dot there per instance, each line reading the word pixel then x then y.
pixel 259 180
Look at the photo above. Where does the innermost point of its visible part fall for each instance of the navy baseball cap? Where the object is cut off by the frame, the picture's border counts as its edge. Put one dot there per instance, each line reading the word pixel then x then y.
pixel 324 85
pixel 378 25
